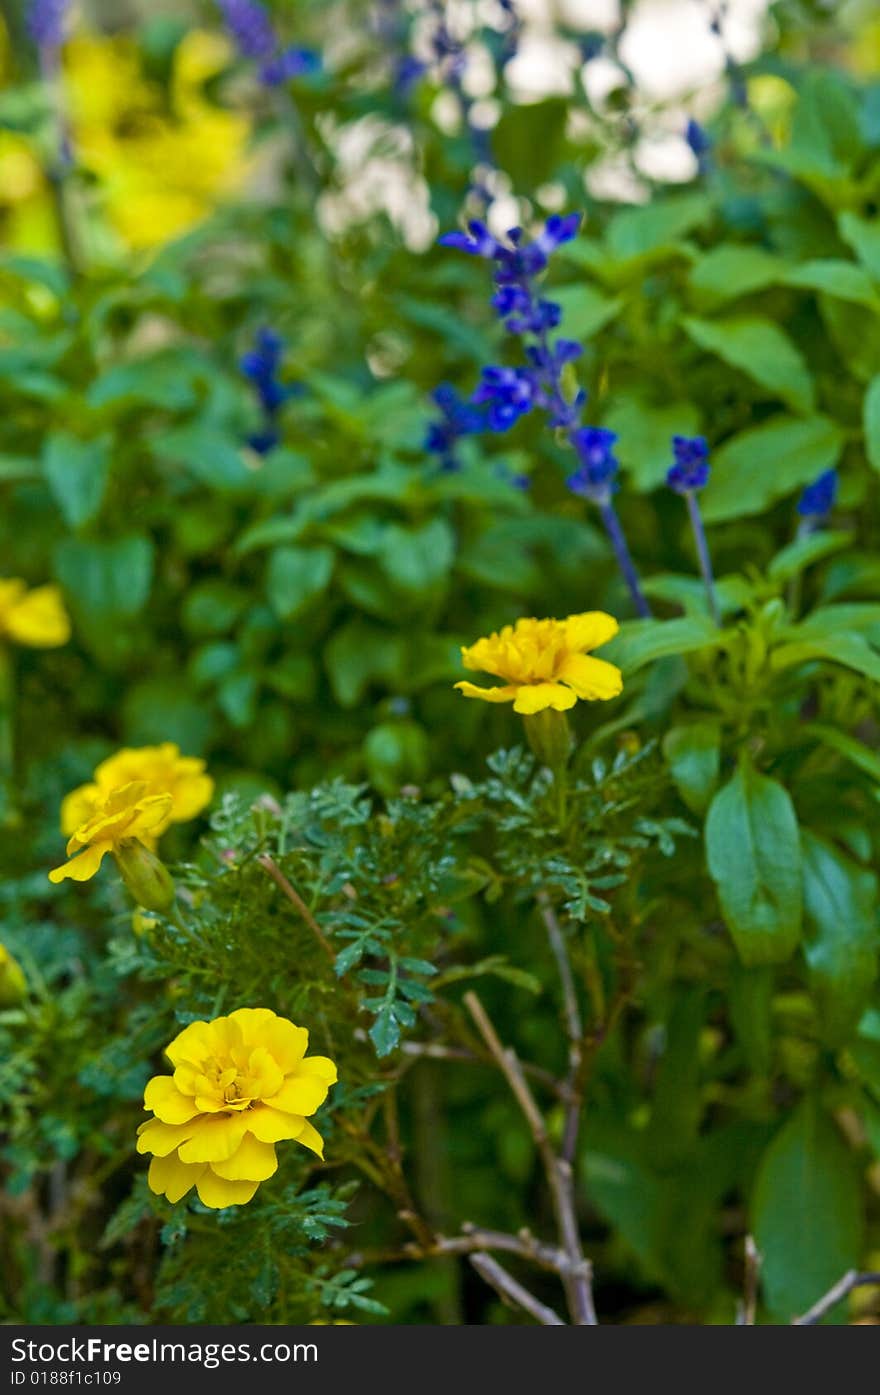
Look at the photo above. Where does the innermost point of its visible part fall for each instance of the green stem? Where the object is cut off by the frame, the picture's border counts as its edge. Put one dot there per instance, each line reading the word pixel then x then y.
pixel 8 805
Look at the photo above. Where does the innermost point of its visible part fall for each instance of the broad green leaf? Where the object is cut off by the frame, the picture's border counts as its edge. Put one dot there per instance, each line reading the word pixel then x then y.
pixel 529 140
pixel 843 931
pixel 359 654
pixel 163 380
pixel 76 472
pixel 585 310
pixel 848 649
pixel 396 753
pixel 754 859
pixel 209 454
pixel 418 559
pixel 803 552
pixel 861 755
pixel 634 231
pixel 761 350
pixel 106 580
pixel 845 280
pixel 694 756
pixel 213 606
pixel 733 270
pixel 646 432
pixel 295 576
pixel 641 642
pixel 863 236
pixel 763 464
pixel 871 420
pixel 806 1212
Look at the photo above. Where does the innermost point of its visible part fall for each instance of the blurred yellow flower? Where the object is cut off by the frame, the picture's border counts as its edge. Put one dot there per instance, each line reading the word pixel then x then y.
pixel 13 985
pixel 159 161
pixel 241 1084
pixel 36 618
pixel 162 165
pixel 161 768
pixel 129 815
pixel 545 663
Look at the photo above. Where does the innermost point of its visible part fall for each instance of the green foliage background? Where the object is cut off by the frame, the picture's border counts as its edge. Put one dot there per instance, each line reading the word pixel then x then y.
pixel 298 622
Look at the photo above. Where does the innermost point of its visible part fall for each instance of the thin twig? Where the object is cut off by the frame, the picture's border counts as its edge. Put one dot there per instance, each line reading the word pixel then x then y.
pixel 512 1291
pixel 747 1310
pixel 578 1284
pixel 293 896
pixel 851 1280
pixel 573 1025
pixel 437 1051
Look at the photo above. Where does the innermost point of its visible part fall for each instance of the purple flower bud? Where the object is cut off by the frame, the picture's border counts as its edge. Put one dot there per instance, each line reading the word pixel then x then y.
pixel 250 27
pixel 819 498
pixel 45 22
pixel 691 468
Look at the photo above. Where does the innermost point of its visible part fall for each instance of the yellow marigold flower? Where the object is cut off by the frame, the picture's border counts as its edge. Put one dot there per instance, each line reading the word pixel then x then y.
pixel 36 618
pixel 161 768
pixel 126 816
pixel 241 1084
pixel 546 663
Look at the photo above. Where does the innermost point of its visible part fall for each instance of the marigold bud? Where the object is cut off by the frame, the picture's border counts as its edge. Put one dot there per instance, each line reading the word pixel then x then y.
pixel 147 879
pixel 550 737
pixel 13 984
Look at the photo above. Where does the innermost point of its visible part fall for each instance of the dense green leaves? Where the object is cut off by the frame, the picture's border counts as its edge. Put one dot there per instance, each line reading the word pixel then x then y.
pixel 806 1212
pixel 760 349
pixel 843 934
pixel 754 858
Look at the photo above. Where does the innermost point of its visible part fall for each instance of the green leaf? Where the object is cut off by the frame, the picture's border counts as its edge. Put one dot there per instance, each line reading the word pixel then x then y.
pixel 755 468
pixel 803 552
pixel 761 350
pixel 856 751
pixel 209 454
pixel 871 420
pixel 295 576
pixel 754 859
pixel 359 654
pixel 106 581
pixel 76 472
pixel 637 230
pixel 848 649
pixel 836 277
pixel 418 559
pixel 840 946
pixel 863 236
pixel 806 1212
pixel 585 310
pixel 751 1003
pixel 646 432
pixel 733 270
pixel 694 756
pixel 641 642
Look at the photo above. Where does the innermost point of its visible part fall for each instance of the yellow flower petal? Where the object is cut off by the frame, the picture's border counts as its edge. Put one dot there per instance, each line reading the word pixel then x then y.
pixel 83 867
pixel 78 807
pixel 592 678
pixel 39 619
pixel 310 1138
pixel 473 690
pixel 213 1139
pixel 321 1067
pixel 286 1042
pixel 166 1101
pixel 161 1139
pixel 193 1045
pixel 537 696
pixel 271 1126
pixel 300 1095
pixel 217 1192
pixel 589 630
pixel 252 1161
pixel 171 1178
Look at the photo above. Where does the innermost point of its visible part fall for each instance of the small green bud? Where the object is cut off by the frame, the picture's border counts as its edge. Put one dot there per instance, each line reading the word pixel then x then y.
pixel 13 985
pixel 147 879
pixel 550 737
